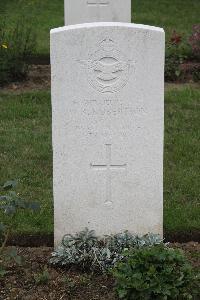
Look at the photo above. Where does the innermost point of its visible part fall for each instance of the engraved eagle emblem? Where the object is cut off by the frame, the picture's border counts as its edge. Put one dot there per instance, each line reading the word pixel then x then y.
pixel 107 69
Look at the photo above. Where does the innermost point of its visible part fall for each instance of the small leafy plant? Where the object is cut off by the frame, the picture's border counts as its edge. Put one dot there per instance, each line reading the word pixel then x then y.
pixel 70 284
pixel 42 278
pixel 86 251
pixel 153 273
pixel 10 204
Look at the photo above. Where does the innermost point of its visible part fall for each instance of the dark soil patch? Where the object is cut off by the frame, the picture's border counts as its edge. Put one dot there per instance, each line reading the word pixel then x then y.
pixel 192 251
pixel 24 282
pixel 182 236
pixel 39 78
pixel 47 240
pixel 36 240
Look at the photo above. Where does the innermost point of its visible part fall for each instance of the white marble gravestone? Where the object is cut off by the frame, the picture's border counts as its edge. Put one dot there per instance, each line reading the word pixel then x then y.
pixel 107 100
pixel 86 11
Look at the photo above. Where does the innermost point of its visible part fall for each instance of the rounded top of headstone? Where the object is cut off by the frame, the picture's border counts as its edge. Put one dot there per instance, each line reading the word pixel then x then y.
pixel 107 24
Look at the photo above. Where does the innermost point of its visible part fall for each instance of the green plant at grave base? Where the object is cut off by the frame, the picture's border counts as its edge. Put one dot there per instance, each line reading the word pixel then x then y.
pixel 10 203
pixel 16 47
pixel 42 278
pixel 153 273
pixel 70 284
pixel 87 251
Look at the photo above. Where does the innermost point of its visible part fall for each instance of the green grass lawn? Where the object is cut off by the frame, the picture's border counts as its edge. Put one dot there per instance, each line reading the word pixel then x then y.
pixel 182 160
pixel 180 15
pixel 26 154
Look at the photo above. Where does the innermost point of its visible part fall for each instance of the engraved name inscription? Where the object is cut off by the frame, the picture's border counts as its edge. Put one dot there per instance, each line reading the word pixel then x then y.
pixel 107 107
pixel 97 3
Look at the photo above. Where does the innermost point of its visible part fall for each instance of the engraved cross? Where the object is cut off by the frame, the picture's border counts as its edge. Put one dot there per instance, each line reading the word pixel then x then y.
pixel 97 2
pixel 108 167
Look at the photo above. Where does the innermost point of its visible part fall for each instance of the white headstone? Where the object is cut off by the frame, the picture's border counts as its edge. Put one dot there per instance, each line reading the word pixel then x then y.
pixel 86 11
pixel 108 103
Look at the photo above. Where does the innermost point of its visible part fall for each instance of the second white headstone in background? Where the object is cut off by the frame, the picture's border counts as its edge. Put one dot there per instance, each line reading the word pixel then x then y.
pixel 88 11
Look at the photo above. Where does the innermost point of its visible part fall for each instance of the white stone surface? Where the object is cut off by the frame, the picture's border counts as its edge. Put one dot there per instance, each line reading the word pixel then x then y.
pixel 86 11
pixel 108 115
